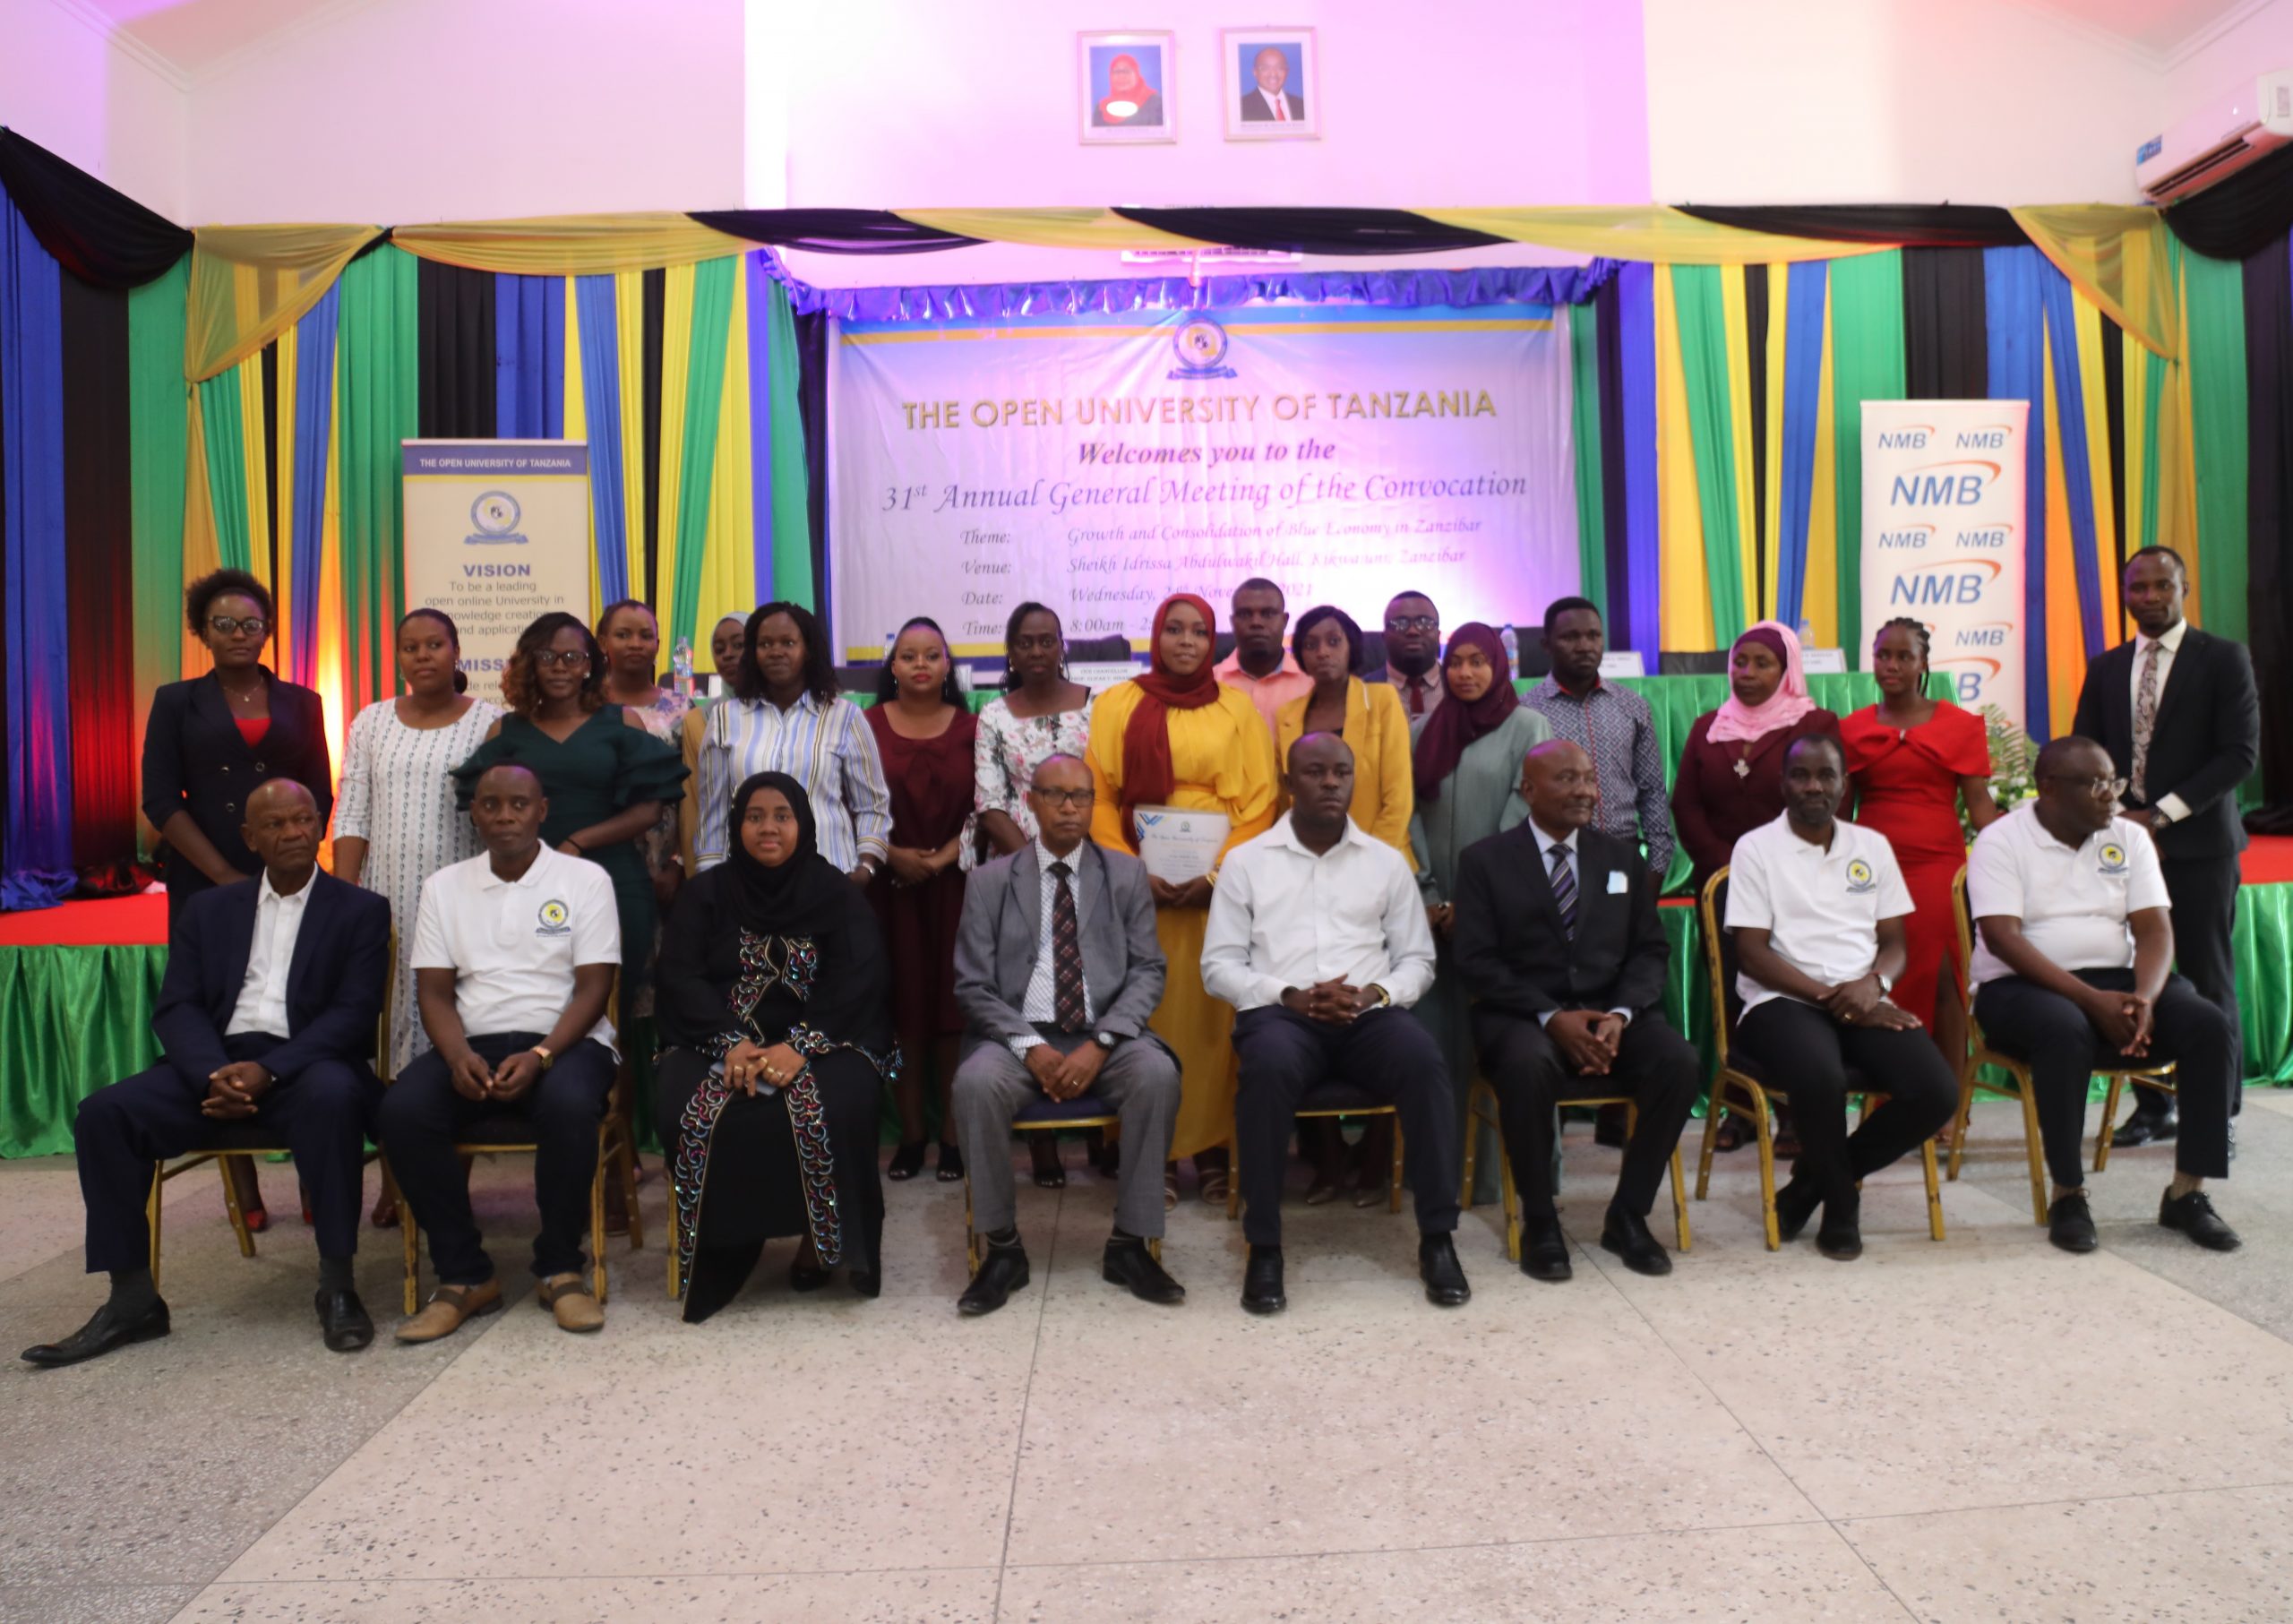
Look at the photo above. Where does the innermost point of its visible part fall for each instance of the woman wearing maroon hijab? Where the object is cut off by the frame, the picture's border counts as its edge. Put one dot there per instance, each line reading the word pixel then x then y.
pixel 1731 769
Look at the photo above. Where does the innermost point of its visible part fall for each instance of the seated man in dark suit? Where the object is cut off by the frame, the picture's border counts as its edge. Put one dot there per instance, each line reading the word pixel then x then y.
pixel 1057 970
pixel 266 1017
pixel 1558 943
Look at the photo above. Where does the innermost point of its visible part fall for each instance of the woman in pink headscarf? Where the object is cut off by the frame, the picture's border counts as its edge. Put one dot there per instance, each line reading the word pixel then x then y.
pixel 1732 769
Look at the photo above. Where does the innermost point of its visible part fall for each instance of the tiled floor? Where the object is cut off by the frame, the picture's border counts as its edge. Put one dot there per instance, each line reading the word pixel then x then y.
pixel 1981 1429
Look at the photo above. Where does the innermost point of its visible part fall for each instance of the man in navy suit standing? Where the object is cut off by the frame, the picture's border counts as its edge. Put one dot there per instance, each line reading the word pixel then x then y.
pixel 266 1017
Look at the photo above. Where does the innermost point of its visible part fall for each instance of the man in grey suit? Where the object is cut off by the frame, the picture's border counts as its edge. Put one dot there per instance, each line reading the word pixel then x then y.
pixel 1056 969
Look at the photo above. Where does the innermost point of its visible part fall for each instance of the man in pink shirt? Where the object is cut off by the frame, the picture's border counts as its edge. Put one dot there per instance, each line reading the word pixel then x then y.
pixel 1260 665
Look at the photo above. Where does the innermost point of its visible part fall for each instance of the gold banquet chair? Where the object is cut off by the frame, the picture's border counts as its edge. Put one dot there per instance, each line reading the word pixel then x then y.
pixel 1739 1085
pixel 1482 1104
pixel 1979 1053
pixel 1324 1099
pixel 616 1152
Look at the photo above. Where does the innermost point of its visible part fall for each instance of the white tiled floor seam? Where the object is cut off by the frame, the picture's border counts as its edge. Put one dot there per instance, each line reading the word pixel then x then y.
pixel 1041 1305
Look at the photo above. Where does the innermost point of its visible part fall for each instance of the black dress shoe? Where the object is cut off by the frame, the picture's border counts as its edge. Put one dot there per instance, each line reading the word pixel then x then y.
pixel 1262 1281
pixel 2146 1127
pixel 342 1321
pixel 1545 1251
pixel 1841 1238
pixel 1795 1204
pixel 1129 1263
pixel 103 1331
pixel 1004 1270
pixel 1626 1233
pixel 2070 1226
pixel 2194 1216
pixel 1444 1275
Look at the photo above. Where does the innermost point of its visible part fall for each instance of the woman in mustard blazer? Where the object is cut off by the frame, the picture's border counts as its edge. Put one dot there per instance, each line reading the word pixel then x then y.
pixel 1368 716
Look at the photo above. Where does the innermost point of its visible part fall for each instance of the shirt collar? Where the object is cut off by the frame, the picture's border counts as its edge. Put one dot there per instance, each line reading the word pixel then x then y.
pixel 1402 679
pixel 1230 669
pixel 2172 642
pixel 1549 688
pixel 265 895
pixel 1288 833
pixel 493 881
pixel 2046 835
pixel 1044 858
pixel 1545 842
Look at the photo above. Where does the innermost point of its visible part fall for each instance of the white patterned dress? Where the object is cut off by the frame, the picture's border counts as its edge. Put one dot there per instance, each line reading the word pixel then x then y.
pixel 1008 749
pixel 397 798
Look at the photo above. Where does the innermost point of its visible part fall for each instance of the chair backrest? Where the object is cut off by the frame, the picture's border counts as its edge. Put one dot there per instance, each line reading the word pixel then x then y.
pixel 383 1026
pixel 1962 918
pixel 1720 962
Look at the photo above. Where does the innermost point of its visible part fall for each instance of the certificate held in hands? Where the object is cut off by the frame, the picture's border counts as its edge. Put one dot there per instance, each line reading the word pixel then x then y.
pixel 1178 846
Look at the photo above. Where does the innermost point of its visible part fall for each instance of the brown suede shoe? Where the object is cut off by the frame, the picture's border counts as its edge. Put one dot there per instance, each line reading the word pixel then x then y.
pixel 567 1296
pixel 448 1307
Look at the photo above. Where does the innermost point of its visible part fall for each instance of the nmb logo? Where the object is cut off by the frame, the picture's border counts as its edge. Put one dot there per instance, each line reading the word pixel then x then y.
pixel 1960 483
pixel 1910 437
pixel 1907 538
pixel 1957 582
pixel 1981 634
pixel 1992 537
pixel 1983 437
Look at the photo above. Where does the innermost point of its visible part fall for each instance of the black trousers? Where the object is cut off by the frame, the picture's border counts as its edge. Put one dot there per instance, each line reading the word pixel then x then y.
pixel 422 1116
pixel 1387 1054
pixel 321 1113
pixel 1809 1055
pixel 1654 1066
pixel 2062 1048
pixel 2203 891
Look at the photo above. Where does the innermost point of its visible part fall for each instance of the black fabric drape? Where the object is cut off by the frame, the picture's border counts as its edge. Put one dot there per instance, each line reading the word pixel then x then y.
pixel 1946 348
pixel 99 537
pixel 1921 225
pixel 831 230
pixel 2114 420
pixel 811 411
pixel 2242 215
pixel 1315 230
pixel 1608 356
pixel 2269 506
pixel 457 389
pixel 656 318
pixel 270 449
pixel 1756 319
pixel 103 236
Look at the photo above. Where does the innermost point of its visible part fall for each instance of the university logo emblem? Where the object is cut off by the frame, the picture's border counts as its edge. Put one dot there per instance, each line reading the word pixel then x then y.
pixel 1201 346
pixel 2113 858
pixel 554 917
pixel 495 516
pixel 1859 877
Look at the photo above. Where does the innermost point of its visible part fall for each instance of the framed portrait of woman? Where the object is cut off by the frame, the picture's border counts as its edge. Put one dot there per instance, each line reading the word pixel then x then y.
pixel 1126 87
pixel 1273 84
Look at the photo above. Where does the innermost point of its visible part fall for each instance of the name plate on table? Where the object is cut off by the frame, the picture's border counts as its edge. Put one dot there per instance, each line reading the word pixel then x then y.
pixel 1178 846
pixel 1099 676
pixel 1623 662
pixel 1824 662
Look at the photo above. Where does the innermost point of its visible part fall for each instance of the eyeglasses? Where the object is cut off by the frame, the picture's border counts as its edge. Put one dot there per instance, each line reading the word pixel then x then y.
pixel 546 657
pixel 225 625
pixel 1065 798
pixel 1415 622
pixel 2097 787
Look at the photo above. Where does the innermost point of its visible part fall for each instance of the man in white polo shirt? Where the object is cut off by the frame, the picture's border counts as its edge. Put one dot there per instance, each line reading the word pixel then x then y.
pixel 1817 906
pixel 2073 972
pixel 513 961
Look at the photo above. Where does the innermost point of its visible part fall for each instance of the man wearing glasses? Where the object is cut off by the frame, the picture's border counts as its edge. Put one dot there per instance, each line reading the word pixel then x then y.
pixel 1413 657
pixel 2073 973
pixel 1057 970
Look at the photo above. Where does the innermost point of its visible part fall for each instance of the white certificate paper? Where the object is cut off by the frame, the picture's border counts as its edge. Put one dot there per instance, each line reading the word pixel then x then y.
pixel 1176 845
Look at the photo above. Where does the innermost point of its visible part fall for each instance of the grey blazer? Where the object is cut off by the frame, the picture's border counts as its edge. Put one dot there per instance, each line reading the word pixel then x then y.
pixel 1002 923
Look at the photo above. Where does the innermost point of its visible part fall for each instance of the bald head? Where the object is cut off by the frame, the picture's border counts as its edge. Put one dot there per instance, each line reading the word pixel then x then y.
pixel 283 829
pixel 1320 778
pixel 507 807
pixel 1560 786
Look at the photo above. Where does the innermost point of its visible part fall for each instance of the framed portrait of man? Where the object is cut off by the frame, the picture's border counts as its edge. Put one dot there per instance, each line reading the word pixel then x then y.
pixel 1273 84
pixel 1127 87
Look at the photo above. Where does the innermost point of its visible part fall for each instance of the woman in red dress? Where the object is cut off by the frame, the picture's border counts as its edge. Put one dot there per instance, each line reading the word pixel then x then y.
pixel 923 730
pixel 1912 759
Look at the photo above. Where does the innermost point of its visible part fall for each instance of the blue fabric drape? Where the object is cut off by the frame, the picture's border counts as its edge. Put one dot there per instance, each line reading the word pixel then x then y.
pixel 314 429
pixel 1637 306
pixel 596 303
pixel 39 871
pixel 762 269
pixel 2016 322
pixel 1399 289
pixel 2054 295
pixel 529 357
pixel 1803 375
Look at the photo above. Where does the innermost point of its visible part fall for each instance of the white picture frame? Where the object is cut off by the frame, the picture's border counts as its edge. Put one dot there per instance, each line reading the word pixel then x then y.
pixel 1250 112
pixel 1103 90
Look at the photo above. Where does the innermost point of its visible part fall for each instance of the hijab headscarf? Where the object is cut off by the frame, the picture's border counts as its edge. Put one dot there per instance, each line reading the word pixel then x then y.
pixel 804 896
pixel 1789 701
pixel 1136 94
pixel 1148 777
pixel 1455 724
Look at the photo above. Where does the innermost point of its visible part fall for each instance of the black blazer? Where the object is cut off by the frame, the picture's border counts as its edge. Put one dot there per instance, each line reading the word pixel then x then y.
pixel 334 988
pixel 1505 940
pixel 1256 111
pixel 196 761
pixel 2205 742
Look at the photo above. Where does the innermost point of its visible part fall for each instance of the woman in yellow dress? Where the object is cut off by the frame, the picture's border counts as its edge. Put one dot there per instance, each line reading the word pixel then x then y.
pixel 1175 737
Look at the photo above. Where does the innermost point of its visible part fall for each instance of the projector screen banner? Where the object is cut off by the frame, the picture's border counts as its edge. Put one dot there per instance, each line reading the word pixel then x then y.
pixel 1099 463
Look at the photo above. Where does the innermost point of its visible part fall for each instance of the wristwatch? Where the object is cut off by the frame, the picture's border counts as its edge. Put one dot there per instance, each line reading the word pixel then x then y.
pixel 1887 986
pixel 547 1059
pixel 1385 999
pixel 1106 1040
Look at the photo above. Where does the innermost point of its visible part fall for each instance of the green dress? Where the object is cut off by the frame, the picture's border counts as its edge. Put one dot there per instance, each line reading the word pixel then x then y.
pixel 602 767
pixel 1479 798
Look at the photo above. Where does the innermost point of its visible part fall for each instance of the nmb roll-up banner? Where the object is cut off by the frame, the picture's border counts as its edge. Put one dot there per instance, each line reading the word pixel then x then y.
pixel 497 532
pixel 1943 530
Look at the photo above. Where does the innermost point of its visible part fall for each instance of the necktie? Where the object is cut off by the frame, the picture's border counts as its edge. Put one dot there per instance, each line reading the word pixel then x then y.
pixel 1564 889
pixel 2145 717
pixel 1281 110
pixel 1417 686
pixel 1068 1009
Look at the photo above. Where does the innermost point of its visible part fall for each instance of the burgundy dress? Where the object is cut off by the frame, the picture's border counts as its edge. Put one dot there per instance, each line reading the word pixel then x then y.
pixel 932 784
pixel 1713 805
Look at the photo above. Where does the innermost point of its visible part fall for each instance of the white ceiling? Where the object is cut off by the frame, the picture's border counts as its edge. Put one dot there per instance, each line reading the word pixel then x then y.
pixel 2160 29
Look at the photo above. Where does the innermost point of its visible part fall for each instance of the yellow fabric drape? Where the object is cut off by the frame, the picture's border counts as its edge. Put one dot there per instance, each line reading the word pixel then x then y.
pixel 254 448
pixel 577 428
pixel 332 678
pixel 1735 324
pixel 572 245
pixel 1049 228
pixel 629 329
pixel 251 283
pixel 282 479
pixel 728 571
pixel 2116 257
pixel 1819 596
pixel 202 553
pixel 2094 404
pixel 1770 476
pixel 1687 619
pixel 1645 232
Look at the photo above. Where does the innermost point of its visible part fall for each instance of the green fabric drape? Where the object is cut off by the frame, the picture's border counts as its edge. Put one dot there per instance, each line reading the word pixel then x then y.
pixel 1866 360
pixel 71 1020
pixel 1711 423
pixel 704 397
pixel 2261 943
pixel 222 416
pixel 378 358
pixel 2215 347
pixel 158 434
pixel 792 520
pixel 1584 402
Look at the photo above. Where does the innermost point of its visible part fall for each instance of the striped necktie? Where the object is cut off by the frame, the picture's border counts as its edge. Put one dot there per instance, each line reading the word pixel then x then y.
pixel 1564 888
pixel 1069 1011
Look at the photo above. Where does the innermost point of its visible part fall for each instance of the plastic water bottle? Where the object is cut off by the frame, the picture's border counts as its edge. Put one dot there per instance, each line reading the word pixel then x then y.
pixel 1512 653
pixel 681 664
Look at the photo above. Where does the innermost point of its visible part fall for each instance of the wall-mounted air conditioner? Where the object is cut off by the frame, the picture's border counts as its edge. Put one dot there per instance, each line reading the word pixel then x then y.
pixel 2222 137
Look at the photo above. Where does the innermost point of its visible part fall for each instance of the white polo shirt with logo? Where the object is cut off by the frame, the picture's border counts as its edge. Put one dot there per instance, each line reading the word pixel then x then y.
pixel 2073 900
pixel 513 944
pixel 1820 906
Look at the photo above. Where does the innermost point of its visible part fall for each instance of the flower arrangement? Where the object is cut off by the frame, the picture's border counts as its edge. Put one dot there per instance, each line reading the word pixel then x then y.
pixel 2014 764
